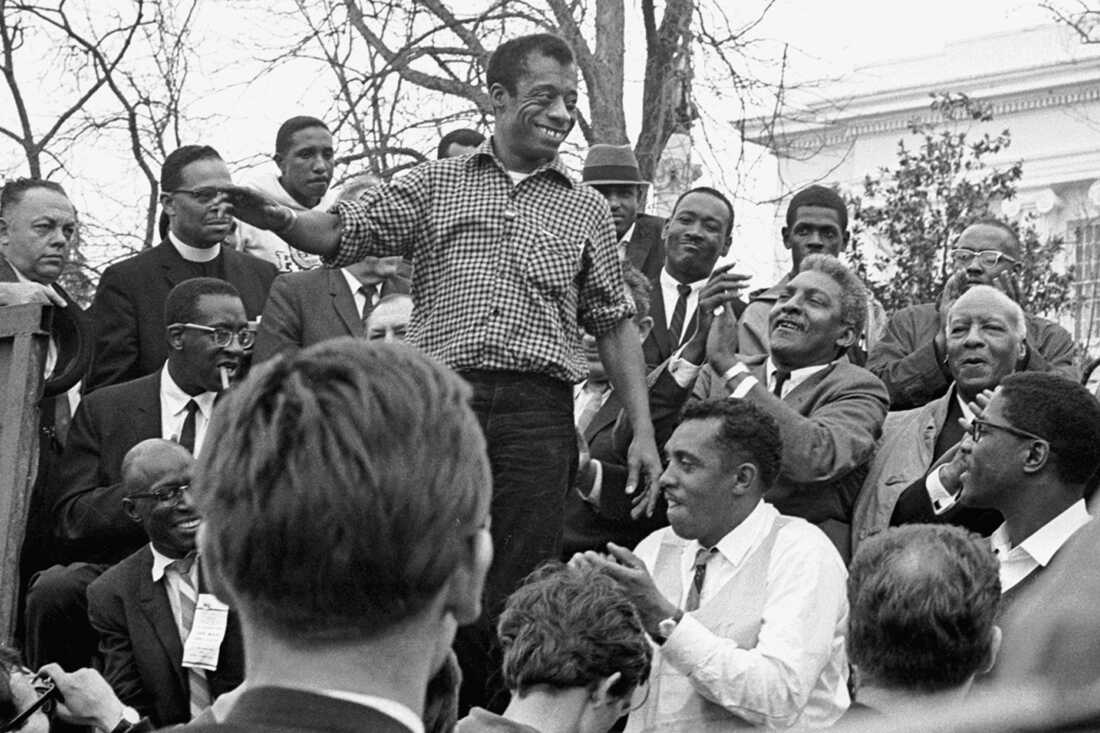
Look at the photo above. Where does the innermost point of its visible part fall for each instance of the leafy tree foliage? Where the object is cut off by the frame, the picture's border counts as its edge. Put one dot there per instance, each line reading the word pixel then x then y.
pixel 909 216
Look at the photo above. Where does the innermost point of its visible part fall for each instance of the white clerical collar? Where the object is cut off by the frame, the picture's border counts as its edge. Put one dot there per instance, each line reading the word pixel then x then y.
pixel 194 254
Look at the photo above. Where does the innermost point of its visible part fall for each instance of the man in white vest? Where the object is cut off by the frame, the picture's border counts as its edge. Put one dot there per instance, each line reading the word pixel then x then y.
pixel 747 606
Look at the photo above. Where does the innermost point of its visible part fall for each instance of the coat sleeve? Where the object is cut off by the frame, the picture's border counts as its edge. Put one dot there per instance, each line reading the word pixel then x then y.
pixel 1054 351
pixel 115 657
pixel 280 330
pixel 906 361
pixel 116 340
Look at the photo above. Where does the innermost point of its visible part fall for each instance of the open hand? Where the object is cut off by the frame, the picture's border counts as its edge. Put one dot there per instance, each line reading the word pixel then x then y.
pixel 256 208
pixel 643 460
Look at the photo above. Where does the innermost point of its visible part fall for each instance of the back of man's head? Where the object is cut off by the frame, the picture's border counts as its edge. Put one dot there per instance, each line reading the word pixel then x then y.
pixel 463 137
pixel 344 489
pixel 171 173
pixel 1063 413
pixel 923 599
pixel 567 628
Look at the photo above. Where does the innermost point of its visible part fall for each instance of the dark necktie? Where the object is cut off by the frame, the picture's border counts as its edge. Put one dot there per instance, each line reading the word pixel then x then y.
pixel 187 435
pixel 676 325
pixel 698 577
pixel 780 376
pixel 370 299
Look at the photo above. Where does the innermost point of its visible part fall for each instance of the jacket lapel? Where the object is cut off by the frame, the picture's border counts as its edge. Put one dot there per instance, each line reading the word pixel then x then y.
pixel 172 265
pixel 344 303
pixel 153 598
pixel 660 321
pixel 606 415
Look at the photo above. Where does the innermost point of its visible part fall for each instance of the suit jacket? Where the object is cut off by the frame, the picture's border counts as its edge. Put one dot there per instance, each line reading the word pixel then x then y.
pixel 829 425
pixel 646 248
pixel 129 308
pixel 306 307
pixel 589 527
pixel 659 345
pixel 905 358
pixel 87 506
pixel 285 710
pixel 140 651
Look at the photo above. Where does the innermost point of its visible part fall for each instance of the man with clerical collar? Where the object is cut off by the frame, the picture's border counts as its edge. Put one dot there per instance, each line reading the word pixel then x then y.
pixel 151 609
pixel 1028 454
pixel 829 410
pixel 129 303
pixel 986 337
pixel 747 605
pixel 613 171
pixel 697 234
pixel 207 335
pixel 909 358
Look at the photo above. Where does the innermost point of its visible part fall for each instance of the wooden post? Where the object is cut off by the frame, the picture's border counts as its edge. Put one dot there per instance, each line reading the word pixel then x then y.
pixel 24 337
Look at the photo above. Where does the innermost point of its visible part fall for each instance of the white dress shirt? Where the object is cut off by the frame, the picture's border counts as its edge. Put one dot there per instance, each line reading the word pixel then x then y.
pixel 357 293
pixel 173 581
pixel 797 672
pixel 797 377
pixel 670 295
pixel 1037 550
pixel 624 241
pixel 398 711
pixel 173 410
pixel 194 254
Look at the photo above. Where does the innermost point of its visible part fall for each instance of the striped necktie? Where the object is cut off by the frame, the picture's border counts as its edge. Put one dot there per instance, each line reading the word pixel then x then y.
pixel 197 685
pixel 698 577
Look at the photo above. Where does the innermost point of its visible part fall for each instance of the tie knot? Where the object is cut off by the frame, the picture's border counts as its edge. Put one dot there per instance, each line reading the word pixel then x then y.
pixel 703 555
pixel 184 564
pixel 683 290
pixel 191 407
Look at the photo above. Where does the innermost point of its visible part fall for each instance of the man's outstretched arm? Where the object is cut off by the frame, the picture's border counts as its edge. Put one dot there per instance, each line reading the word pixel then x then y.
pixel 316 232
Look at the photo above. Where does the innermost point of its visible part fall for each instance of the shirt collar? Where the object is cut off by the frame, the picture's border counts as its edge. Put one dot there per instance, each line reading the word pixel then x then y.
pixel 1041 545
pixel 742 538
pixel 628 235
pixel 966 411
pixel 670 283
pixel 194 254
pixel 398 711
pixel 798 376
pixel 485 152
pixel 175 399
pixel 160 563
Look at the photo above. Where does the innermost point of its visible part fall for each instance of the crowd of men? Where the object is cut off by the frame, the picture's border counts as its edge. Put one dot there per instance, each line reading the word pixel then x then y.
pixel 601 485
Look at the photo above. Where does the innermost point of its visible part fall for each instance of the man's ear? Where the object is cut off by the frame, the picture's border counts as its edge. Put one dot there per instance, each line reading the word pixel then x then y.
pixel 644 327
pixel 744 476
pixel 846 338
pixel 499 96
pixel 130 508
pixel 844 239
pixel 786 242
pixel 1038 455
pixel 175 338
pixel 664 227
pixel 467 581
pixel 5 232
pixel 168 204
pixel 601 695
pixel 1021 351
pixel 994 650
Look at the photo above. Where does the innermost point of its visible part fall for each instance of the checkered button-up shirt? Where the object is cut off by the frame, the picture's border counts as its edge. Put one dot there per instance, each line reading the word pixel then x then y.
pixel 503 272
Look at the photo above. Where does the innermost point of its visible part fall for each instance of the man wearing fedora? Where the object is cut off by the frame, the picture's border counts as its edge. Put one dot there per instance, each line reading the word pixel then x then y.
pixel 613 171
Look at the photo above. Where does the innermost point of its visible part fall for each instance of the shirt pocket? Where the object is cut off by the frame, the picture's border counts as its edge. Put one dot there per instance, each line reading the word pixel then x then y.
pixel 552 264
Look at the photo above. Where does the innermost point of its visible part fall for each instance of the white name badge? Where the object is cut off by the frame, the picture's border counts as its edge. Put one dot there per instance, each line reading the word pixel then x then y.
pixel 203 644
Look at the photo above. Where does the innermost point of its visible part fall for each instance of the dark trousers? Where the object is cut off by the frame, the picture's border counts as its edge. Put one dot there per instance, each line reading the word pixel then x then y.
pixel 57 626
pixel 528 424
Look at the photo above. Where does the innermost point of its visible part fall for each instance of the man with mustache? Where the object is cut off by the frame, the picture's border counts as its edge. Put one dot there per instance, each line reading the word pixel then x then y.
pixel 910 357
pixel 128 309
pixel 511 259
pixel 207 331
pixel 830 411
pixel 144 608
pixel 986 340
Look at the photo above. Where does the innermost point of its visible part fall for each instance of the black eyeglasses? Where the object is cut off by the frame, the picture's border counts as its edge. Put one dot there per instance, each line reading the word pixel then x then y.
pixel 47 694
pixel 987 257
pixel 222 337
pixel 203 194
pixel 166 494
pixel 979 427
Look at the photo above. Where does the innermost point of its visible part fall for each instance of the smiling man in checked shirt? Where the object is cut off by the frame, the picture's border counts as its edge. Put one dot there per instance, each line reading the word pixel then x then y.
pixel 510 256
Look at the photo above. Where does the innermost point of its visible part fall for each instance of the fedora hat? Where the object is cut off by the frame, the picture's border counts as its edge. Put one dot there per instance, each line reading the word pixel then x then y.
pixel 608 165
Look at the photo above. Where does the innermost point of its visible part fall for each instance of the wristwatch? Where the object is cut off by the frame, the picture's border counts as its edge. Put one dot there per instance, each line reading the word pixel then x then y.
pixel 665 627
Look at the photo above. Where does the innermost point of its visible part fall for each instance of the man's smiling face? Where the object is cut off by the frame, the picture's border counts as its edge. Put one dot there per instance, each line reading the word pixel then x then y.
pixel 533 122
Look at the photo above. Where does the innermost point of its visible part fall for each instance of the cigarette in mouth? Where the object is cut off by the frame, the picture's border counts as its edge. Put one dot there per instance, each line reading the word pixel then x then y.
pixel 225 377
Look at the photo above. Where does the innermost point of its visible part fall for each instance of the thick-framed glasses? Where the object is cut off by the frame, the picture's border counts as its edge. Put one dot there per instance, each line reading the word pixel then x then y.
pixel 47 694
pixel 166 494
pixel 986 258
pixel 979 427
pixel 203 194
pixel 222 337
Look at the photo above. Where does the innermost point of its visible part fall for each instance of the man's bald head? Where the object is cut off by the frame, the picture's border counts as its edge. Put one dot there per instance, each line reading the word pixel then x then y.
pixel 149 460
pixel 992 300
